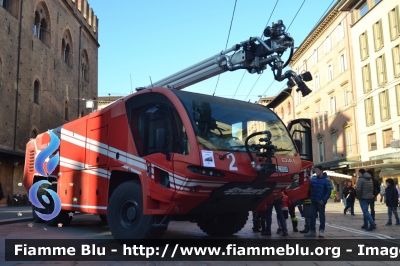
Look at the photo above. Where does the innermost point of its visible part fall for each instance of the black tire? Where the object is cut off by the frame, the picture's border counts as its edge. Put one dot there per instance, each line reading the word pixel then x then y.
pixel 36 218
pixel 125 214
pixel 63 218
pixel 222 224
pixel 103 218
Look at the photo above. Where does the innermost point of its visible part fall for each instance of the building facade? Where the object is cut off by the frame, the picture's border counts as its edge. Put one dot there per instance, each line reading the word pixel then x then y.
pixel 48 63
pixel 331 106
pixel 375 35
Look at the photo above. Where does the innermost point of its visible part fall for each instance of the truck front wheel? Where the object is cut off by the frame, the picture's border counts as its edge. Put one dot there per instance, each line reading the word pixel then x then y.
pixel 125 214
pixel 222 224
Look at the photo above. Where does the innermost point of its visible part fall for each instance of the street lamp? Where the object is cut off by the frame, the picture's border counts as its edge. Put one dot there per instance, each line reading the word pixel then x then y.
pixel 90 104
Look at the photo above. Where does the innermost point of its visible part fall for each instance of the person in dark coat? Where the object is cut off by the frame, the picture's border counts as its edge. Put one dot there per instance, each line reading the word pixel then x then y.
pixel 391 201
pixel 350 194
pixel 383 193
pixel 364 194
pixel 320 191
pixel 375 192
pixel 277 204
pixel 256 222
pixel 307 213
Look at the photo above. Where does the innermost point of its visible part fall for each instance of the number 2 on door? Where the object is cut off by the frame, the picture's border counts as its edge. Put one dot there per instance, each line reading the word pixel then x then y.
pixel 231 166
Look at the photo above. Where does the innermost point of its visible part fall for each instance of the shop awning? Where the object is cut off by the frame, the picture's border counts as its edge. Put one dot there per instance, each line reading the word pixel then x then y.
pixel 336 177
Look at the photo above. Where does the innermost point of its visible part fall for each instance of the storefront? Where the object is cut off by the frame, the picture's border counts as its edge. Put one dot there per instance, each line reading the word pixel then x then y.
pixel 390 173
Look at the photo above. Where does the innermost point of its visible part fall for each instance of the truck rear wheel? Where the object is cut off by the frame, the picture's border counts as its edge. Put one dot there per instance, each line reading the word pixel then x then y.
pixel 36 218
pixel 125 214
pixel 63 218
pixel 222 224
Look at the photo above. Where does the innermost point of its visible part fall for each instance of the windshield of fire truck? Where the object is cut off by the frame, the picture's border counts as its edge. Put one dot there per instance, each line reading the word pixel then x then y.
pixel 224 124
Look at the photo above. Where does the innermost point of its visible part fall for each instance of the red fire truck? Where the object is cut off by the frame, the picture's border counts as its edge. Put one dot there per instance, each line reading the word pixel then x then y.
pixel 162 153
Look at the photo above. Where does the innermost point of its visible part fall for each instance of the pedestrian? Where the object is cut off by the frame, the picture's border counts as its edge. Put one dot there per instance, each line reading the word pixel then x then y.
pixel 320 191
pixel 307 212
pixel 256 222
pixel 285 210
pixel 364 194
pixel 350 194
pixel 376 190
pixel 299 204
pixel 383 193
pixel 277 205
pixel 391 201
pixel 292 213
pixel 398 189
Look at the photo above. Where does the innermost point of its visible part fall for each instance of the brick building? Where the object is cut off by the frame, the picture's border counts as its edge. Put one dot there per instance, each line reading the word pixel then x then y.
pixel 48 62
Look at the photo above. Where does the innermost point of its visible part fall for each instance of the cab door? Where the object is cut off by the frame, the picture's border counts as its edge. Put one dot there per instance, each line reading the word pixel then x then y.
pixel 300 130
pixel 152 130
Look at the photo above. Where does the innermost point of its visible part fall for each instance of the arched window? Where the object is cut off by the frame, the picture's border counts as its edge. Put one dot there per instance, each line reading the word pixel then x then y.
pixel 36 25
pixel 67 48
pixel 288 107
pixel 67 53
pixel 66 116
pixel 41 24
pixel 85 66
pixel 282 113
pixel 43 29
pixel 36 91
pixel 63 50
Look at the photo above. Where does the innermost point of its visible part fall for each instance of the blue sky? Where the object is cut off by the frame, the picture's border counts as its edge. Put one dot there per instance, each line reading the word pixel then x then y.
pixel 157 38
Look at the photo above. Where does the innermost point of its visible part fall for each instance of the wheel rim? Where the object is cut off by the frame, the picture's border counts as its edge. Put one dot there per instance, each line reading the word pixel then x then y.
pixel 129 213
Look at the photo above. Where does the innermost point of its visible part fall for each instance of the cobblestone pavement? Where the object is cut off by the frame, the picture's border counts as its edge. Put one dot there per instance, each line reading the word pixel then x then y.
pixel 84 226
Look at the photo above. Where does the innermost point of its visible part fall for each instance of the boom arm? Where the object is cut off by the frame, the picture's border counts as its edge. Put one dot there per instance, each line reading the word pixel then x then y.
pixel 254 55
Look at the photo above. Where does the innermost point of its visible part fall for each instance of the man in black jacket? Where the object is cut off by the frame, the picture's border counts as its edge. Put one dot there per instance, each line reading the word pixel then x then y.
pixel 375 192
pixel 391 201
pixel 350 195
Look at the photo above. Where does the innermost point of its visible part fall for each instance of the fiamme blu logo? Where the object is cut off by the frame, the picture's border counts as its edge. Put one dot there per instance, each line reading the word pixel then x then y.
pixel 45 163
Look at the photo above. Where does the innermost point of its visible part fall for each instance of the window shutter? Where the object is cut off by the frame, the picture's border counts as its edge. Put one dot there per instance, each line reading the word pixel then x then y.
pixel 384 68
pixel 366 44
pixel 381 42
pixel 363 78
pixel 381 103
pixel 366 112
pixel 334 104
pixel 329 107
pixel 397 87
pixel 397 19
pixel 327 74
pixel 396 60
pixel 372 111
pixel 374 35
pixel 391 16
pixel 344 61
